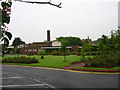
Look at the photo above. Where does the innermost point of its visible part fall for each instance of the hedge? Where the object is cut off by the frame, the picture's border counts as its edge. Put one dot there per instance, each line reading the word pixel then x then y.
pixel 26 60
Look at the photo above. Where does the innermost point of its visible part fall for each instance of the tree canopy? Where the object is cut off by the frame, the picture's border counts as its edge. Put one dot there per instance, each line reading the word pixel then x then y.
pixel 73 41
pixel 17 41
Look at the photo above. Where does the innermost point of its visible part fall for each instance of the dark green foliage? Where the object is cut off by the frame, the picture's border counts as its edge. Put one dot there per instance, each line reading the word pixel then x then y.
pixel 72 41
pixel 64 44
pixel 17 41
pixel 5 17
pixel 26 60
pixel 6 41
pixel 105 61
pixel 9 35
pixel 6 9
pixel 42 57
pixel 41 52
pixel 6 37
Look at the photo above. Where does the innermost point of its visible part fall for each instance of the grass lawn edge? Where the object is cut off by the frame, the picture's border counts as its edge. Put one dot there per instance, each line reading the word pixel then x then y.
pixel 115 69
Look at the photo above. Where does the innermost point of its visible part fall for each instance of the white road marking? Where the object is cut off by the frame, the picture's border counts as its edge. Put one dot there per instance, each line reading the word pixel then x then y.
pixel 22 85
pixel 10 77
pixel 33 80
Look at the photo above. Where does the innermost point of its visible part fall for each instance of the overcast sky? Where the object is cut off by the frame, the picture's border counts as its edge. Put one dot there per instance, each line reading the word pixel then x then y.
pixel 79 18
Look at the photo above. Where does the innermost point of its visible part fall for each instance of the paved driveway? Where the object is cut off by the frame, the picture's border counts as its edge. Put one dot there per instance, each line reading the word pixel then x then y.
pixel 29 77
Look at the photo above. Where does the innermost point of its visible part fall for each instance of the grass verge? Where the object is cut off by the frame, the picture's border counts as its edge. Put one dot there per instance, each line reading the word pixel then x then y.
pixel 92 68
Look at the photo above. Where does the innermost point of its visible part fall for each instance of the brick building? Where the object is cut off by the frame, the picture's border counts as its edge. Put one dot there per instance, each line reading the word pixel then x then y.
pixel 48 46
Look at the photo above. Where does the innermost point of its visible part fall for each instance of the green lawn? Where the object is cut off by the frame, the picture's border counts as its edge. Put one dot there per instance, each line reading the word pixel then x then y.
pixel 115 68
pixel 57 62
pixel 51 61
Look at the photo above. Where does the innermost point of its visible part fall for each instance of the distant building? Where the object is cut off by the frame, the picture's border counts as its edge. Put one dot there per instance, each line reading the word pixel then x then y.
pixel 48 46
pixel 30 50
pixel 11 47
pixel 22 46
pixel 55 43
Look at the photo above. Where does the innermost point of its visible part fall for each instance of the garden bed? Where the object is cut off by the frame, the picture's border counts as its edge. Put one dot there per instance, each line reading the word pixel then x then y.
pixel 91 69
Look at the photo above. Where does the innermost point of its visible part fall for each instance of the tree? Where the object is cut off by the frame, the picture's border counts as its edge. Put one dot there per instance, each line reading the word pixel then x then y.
pixel 64 44
pixel 17 41
pixel 3 49
pixel 5 36
pixel 73 41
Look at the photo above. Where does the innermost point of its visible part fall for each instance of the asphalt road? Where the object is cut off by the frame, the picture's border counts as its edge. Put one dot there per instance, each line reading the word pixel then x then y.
pixel 29 77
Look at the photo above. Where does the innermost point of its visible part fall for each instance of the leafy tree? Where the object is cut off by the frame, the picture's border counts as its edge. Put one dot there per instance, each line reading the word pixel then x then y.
pixel 64 44
pixel 17 41
pixel 73 41
pixel 3 48
pixel 118 39
pixel 82 53
pixel 5 36
pixel 105 40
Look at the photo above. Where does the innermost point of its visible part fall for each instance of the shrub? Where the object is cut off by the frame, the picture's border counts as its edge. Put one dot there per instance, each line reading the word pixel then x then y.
pixel 42 57
pixel 41 52
pixel 73 53
pixel 26 60
pixel 87 64
pixel 55 53
pixel 108 61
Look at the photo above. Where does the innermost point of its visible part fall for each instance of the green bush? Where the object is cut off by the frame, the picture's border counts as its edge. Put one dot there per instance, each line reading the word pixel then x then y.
pixel 55 53
pixel 105 61
pixel 26 60
pixel 87 64
pixel 93 53
pixel 42 57
pixel 73 53
pixel 41 52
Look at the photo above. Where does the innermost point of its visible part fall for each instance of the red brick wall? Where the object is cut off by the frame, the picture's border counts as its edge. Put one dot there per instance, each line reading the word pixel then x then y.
pixel 29 50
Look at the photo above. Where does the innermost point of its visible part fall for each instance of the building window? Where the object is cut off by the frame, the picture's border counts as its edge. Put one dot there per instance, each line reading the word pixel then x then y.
pixel 28 49
pixel 34 50
pixel 25 50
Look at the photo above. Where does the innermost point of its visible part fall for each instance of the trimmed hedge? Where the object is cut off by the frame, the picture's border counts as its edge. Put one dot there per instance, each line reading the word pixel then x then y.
pixel 26 60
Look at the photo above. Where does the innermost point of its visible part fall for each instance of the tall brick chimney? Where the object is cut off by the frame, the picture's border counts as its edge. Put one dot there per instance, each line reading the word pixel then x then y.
pixel 48 35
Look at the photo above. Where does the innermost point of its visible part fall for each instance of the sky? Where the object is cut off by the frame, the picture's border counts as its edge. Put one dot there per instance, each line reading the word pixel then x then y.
pixel 77 18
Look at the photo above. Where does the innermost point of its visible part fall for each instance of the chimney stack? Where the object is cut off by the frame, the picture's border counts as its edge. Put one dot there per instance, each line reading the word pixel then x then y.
pixel 48 35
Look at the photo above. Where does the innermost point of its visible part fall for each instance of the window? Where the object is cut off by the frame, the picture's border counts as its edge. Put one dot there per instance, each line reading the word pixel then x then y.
pixel 28 49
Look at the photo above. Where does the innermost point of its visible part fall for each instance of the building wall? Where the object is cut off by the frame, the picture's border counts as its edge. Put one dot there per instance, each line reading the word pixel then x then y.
pixel 21 46
pixel 29 50
pixel 40 43
pixel 56 43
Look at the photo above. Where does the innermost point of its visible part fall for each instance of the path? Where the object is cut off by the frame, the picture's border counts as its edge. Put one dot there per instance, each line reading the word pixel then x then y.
pixel 74 65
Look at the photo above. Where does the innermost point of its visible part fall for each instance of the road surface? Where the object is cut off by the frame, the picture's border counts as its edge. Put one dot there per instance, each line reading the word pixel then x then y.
pixel 33 77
